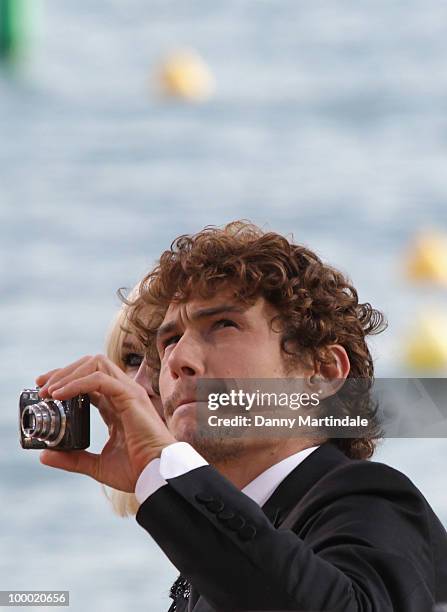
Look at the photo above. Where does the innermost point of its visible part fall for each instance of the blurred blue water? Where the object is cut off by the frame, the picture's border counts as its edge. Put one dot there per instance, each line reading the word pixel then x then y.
pixel 329 122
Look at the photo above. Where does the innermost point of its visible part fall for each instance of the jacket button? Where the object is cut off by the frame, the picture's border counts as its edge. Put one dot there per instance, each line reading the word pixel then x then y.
pixel 236 523
pixel 216 505
pixel 204 498
pixel 247 532
pixel 226 515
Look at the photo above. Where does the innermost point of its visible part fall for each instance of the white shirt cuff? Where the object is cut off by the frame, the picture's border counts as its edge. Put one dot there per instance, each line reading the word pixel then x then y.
pixel 175 460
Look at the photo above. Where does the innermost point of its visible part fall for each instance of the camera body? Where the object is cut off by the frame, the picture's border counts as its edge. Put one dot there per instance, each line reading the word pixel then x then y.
pixel 56 424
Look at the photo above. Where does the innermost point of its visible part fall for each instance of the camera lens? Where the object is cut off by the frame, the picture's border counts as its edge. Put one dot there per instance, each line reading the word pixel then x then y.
pixel 28 422
pixel 44 421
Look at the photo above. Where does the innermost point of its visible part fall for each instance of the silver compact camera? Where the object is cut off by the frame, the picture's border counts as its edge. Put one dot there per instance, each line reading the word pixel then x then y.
pixel 56 424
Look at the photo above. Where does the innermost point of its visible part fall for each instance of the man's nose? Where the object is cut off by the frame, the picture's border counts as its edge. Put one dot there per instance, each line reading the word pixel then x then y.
pixel 186 358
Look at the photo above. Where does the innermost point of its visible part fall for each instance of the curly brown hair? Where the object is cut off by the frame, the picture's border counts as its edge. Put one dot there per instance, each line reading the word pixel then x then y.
pixel 317 305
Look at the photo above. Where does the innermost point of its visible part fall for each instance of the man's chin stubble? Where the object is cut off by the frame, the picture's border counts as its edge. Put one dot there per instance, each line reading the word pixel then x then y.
pixel 216 450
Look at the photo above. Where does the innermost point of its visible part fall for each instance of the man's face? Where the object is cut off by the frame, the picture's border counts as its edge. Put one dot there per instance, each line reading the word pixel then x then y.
pixel 213 338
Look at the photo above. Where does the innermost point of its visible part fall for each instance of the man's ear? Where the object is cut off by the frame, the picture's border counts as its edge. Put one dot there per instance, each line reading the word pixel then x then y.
pixel 330 377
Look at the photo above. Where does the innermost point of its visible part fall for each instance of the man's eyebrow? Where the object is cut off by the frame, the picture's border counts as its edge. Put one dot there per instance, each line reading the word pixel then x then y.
pixel 202 313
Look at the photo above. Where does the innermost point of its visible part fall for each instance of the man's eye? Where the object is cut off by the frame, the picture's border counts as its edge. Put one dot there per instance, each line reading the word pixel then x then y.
pixel 171 340
pixel 133 360
pixel 225 323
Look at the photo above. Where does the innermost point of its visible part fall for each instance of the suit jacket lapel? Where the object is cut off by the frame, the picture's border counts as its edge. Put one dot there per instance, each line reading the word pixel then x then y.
pixel 295 486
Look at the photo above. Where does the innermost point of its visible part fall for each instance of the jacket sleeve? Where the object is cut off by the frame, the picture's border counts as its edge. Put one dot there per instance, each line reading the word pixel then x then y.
pixel 355 552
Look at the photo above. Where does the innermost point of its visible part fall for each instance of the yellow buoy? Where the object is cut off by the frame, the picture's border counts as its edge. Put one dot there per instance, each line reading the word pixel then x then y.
pixel 428 258
pixel 427 347
pixel 184 74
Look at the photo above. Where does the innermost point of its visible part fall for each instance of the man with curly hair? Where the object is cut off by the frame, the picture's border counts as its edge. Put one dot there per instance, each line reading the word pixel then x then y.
pixel 257 523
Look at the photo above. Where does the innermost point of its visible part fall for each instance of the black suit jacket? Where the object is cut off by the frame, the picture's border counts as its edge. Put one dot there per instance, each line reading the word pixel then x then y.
pixel 337 534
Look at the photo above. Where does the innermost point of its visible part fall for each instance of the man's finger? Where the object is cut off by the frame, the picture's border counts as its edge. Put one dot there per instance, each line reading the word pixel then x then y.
pixel 107 416
pixel 104 409
pixel 105 384
pixel 86 367
pixel 99 363
pixel 42 379
pixel 82 462
pixel 46 380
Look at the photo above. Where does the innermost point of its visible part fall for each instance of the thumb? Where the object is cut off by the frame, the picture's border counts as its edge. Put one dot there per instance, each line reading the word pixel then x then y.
pixel 81 461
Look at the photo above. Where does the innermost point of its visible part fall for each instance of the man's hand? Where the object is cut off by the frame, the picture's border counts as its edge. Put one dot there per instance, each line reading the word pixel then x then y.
pixel 137 434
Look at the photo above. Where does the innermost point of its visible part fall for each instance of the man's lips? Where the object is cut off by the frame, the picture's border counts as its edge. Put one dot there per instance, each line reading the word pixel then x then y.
pixel 186 402
pixel 183 402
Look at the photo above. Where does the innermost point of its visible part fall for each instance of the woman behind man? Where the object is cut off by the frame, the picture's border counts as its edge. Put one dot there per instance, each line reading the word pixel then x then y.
pixel 126 352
